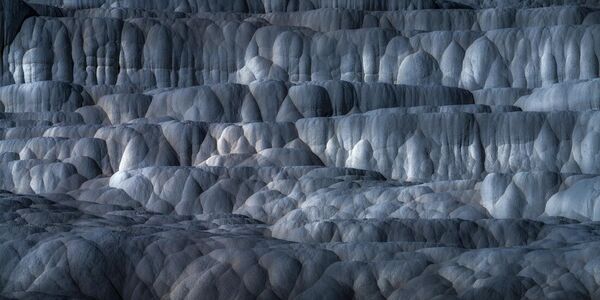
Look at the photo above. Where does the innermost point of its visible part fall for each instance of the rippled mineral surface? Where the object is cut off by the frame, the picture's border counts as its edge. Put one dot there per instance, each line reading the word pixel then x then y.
pixel 300 149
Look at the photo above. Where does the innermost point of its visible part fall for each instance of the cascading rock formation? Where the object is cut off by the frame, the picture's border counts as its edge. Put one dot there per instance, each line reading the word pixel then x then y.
pixel 300 149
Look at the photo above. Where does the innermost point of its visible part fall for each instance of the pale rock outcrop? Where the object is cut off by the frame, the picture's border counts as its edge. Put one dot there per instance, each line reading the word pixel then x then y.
pixel 122 108
pixel 45 96
pixel 299 149
pixel 410 147
pixel 579 201
pixel 570 95
pixel 275 101
pixel 522 195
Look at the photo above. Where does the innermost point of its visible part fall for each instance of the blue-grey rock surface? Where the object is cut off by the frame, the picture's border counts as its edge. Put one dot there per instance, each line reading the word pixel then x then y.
pixel 300 149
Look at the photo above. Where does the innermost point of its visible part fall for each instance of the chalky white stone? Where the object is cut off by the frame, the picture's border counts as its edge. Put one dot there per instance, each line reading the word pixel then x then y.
pixel 305 149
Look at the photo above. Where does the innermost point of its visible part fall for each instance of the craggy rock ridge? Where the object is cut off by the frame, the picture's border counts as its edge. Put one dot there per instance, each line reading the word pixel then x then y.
pixel 300 149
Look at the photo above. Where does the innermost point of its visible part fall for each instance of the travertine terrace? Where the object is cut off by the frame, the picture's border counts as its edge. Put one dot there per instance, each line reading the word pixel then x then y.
pixel 300 149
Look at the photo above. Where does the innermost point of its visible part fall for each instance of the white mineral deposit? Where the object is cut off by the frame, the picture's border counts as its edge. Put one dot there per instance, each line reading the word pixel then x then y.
pixel 299 149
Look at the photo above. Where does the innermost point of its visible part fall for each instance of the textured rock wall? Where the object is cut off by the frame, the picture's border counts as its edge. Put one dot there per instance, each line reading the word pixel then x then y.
pixel 302 149
pixel 410 146
pixel 167 52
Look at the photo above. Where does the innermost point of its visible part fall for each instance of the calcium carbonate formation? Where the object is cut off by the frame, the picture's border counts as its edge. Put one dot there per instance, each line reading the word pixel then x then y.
pixel 300 149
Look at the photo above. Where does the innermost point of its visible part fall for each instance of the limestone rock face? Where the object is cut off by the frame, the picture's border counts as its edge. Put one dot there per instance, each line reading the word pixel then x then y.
pixel 570 95
pixel 299 149
pixel 43 96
